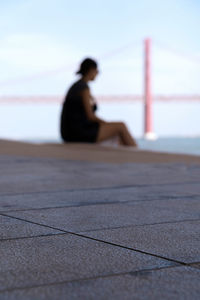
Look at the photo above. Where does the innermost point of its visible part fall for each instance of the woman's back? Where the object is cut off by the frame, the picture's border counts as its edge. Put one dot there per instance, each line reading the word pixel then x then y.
pixel 73 108
pixel 75 125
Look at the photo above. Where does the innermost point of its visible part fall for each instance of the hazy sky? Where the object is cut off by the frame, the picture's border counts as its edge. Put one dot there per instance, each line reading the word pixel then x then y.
pixel 43 41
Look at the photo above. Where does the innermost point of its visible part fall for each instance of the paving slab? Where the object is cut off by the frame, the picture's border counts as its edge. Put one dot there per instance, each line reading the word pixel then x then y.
pixel 91 196
pixel 46 260
pixel 93 217
pixel 178 241
pixel 91 152
pixel 25 175
pixel 170 283
pixel 136 214
pixel 197 265
pixel 11 228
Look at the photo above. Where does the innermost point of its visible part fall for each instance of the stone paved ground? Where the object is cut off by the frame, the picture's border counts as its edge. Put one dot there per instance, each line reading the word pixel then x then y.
pixel 89 230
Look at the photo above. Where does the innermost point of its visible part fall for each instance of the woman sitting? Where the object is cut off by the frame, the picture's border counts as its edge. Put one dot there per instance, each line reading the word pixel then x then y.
pixel 79 122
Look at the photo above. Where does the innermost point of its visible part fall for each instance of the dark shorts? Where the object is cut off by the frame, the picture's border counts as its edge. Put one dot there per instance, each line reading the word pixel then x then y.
pixel 87 132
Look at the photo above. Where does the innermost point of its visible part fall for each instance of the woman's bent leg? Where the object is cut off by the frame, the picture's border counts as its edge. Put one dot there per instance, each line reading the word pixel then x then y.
pixel 112 129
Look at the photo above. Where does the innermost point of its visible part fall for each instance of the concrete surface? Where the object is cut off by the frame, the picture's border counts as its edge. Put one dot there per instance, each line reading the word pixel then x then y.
pixel 108 224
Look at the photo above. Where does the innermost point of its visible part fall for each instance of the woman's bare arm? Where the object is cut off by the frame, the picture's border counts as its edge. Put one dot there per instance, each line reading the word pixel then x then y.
pixel 88 108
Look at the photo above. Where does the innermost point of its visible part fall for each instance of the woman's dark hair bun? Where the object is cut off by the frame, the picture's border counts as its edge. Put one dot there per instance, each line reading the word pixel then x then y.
pixel 86 65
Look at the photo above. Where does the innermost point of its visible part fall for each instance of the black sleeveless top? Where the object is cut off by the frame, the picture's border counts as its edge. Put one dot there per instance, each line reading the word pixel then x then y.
pixel 75 126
